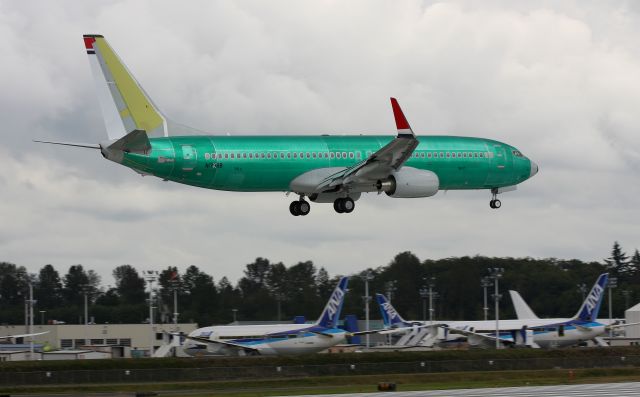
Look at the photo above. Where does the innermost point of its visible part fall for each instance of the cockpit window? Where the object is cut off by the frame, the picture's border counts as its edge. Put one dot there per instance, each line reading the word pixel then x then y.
pixel 517 153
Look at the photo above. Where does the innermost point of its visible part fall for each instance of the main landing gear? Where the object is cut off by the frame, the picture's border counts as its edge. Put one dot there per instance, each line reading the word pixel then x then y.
pixel 300 207
pixel 495 203
pixel 344 205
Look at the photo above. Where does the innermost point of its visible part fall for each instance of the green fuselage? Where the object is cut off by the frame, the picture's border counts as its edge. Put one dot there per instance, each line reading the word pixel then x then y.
pixel 270 163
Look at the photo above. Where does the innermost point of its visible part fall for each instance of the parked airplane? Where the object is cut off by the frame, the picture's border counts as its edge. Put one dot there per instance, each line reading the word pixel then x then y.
pixel 532 332
pixel 324 169
pixel 275 339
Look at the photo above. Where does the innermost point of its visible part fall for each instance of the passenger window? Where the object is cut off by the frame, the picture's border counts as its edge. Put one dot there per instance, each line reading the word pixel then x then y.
pixel 308 155
pixel 268 155
pixel 358 155
pixel 429 155
pixel 464 155
pixel 422 155
pixel 261 155
pixel 326 155
pixel 448 154
pixel 338 155
pixel 350 155
pixel 332 155
pixel 232 155
pixel 441 155
pixel 281 155
pixel 288 155
pixel 207 156
pixel 244 155
pixel 314 155
pixel 295 155
pixel 344 155
pixel 301 155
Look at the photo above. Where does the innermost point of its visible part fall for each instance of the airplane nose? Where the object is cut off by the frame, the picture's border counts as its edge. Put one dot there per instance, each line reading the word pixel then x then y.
pixel 534 168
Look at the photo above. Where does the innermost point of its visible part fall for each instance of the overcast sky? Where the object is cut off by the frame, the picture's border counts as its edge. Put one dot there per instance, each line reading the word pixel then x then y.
pixel 558 80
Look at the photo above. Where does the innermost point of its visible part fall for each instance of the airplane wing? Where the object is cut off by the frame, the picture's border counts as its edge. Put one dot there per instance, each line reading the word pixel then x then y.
pixel 328 335
pixel 407 329
pixel 23 335
pixel 380 164
pixel 218 342
pixel 477 338
pixel 614 326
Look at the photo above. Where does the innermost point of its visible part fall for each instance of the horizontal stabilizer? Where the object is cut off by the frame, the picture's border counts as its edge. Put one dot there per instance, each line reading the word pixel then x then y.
pixel 136 141
pixel 84 145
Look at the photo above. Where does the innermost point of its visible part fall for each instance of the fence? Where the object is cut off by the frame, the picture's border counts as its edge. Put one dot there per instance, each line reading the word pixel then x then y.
pixel 266 372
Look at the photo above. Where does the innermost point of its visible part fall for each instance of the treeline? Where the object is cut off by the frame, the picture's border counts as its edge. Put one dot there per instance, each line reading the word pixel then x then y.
pixel 272 291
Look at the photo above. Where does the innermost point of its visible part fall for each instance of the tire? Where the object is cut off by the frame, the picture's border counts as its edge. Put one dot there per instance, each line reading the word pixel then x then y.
pixel 303 207
pixel 491 204
pixel 294 208
pixel 348 205
pixel 337 206
pixel 497 204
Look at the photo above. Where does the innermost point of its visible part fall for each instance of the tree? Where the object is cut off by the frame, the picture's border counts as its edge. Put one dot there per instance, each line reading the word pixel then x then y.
pixel 618 261
pixel 75 282
pixel 129 284
pixel 48 289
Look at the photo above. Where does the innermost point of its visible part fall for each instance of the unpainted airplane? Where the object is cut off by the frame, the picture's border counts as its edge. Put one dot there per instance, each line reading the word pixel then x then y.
pixel 322 169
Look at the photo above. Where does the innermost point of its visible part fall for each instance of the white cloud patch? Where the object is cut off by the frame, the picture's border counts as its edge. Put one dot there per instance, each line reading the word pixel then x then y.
pixel 550 78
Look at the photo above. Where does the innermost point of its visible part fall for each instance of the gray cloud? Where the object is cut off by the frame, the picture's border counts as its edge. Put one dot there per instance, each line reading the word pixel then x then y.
pixel 559 80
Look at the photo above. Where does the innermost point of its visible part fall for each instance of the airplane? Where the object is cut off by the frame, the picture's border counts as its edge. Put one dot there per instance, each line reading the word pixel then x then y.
pixel 532 332
pixel 22 335
pixel 275 339
pixel 324 169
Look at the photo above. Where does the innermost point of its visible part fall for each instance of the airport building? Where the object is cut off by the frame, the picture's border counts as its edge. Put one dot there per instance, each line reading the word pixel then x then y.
pixel 120 340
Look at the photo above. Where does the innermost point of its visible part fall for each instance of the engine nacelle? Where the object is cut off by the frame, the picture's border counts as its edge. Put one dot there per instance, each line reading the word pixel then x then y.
pixel 410 182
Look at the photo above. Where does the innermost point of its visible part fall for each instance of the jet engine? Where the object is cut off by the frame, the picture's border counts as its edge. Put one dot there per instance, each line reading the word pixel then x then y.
pixel 410 183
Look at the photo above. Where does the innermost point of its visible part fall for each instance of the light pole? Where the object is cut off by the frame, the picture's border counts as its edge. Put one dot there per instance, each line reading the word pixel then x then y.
pixel 174 287
pixel 431 283
pixel 367 276
pixel 151 276
pixel 613 283
pixel 235 311
pixel 424 294
pixel 485 283
pixel 31 303
pixel 582 287
pixel 495 273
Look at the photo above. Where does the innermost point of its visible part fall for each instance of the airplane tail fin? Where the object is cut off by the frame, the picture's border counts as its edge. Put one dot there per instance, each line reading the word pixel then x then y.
pixel 523 311
pixel 331 313
pixel 126 107
pixel 390 316
pixel 591 305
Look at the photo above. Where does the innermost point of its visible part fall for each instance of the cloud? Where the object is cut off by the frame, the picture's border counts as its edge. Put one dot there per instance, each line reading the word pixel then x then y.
pixel 550 78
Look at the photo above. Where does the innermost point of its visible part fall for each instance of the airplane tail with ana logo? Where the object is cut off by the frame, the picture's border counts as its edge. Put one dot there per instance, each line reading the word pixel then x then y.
pixel 331 313
pixel 591 305
pixel 390 316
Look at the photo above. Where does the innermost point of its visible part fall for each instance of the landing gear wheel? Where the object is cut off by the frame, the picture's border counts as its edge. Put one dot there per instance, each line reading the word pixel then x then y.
pixel 294 208
pixel 303 207
pixel 299 208
pixel 337 206
pixel 348 205
pixel 497 203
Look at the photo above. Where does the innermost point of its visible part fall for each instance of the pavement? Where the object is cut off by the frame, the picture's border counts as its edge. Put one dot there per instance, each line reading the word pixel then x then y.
pixel 600 389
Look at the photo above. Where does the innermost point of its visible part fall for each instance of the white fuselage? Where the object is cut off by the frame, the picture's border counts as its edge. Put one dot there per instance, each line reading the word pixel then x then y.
pixel 289 339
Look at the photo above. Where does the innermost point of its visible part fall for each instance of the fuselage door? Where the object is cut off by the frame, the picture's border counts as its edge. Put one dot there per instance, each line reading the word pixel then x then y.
pixel 499 171
pixel 189 158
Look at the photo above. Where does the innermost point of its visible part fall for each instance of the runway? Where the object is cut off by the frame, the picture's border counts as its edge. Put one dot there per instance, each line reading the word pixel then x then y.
pixel 600 389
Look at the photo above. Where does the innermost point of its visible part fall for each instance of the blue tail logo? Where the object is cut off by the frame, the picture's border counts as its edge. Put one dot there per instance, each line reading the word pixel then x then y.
pixel 591 305
pixel 331 313
pixel 390 316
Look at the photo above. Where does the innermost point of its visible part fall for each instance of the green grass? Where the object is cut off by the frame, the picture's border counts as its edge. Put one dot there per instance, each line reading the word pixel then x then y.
pixel 316 359
pixel 352 384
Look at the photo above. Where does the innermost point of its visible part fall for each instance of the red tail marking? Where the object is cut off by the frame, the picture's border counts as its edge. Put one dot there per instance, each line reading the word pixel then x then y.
pixel 88 42
pixel 401 121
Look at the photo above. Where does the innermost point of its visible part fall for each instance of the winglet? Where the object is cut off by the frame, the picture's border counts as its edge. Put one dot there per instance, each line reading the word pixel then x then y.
pixel 404 129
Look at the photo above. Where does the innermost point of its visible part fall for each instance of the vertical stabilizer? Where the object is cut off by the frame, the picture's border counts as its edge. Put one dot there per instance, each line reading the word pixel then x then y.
pixel 126 107
pixel 591 305
pixel 331 313
pixel 390 316
pixel 523 311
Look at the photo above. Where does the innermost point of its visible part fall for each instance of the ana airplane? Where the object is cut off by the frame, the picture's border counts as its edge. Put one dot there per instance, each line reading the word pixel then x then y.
pixel 275 339
pixel 324 169
pixel 533 332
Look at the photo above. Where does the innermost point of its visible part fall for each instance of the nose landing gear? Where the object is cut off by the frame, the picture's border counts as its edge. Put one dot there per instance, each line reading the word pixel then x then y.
pixel 495 203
